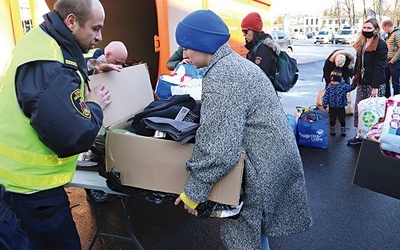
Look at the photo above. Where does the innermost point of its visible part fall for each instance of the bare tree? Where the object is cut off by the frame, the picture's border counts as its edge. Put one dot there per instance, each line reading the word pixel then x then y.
pixel 334 12
pixel 364 10
pixel 350 11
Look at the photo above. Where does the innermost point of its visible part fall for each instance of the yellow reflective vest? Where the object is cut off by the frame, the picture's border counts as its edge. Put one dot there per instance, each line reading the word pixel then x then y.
pixel 26 164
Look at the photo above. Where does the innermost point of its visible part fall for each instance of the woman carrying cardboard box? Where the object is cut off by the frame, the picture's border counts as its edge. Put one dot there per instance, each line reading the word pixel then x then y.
pixel 241 112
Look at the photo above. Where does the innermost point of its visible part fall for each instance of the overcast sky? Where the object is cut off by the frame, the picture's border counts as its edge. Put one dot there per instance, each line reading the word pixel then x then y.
pixel 286 6
pixel 280 7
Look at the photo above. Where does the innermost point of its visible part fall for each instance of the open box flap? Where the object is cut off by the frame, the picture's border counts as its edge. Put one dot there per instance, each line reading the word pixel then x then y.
pixel 130 91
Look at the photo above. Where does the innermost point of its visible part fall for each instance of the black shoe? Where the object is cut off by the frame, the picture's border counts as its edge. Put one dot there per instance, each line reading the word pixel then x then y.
pixel 99 196
pixel 354 141
pixel 332 130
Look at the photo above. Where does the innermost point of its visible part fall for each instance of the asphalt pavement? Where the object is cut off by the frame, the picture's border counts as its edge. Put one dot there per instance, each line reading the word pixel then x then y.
pixel 345 216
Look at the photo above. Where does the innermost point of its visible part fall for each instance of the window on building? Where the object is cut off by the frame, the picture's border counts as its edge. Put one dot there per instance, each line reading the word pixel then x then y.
pixel 330 22
pixel 307 21
pixel 316 21
pixel 312 21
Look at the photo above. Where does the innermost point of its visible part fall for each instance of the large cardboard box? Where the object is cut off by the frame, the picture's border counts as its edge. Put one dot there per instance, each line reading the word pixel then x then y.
pixel 376 171
pixel 147 162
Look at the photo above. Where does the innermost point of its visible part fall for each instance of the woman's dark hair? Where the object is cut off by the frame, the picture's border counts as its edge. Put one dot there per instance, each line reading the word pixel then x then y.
pixel 259 36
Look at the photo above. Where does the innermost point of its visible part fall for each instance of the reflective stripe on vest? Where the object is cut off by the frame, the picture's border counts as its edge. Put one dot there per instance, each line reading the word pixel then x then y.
pixel 26 164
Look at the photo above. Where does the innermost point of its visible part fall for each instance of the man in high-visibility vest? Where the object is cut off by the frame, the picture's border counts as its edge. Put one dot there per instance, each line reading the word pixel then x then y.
pixel 49 116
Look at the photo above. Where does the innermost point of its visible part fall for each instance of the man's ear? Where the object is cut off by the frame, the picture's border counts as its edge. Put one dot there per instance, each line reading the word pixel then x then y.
pixel 107 54
pixel 70 22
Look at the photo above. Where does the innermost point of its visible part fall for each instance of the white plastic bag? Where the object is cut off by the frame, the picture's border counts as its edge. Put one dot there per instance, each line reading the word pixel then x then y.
pixel 390 136
pixel 190 86
pixel 369 112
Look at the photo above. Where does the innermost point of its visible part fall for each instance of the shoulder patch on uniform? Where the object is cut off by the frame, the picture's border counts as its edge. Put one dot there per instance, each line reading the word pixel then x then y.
pixel 258 60
pixel 79 104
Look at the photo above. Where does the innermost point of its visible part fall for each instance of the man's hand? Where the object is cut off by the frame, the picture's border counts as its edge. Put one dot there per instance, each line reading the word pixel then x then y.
pixel 105 67
pixel 99 95
pixel 190 211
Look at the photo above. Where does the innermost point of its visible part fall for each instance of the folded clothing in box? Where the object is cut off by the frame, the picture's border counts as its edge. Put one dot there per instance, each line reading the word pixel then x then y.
pixel 181 131
pixel 166 109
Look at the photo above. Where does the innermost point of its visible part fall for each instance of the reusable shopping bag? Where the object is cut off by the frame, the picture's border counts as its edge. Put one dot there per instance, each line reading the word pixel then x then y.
pixel 369 112
pixel 165 82
pixel 183 81
pixel 312 128
pixel 390 136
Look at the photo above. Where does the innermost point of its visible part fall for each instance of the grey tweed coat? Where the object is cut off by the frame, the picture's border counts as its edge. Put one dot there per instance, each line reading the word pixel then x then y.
pixel 241 112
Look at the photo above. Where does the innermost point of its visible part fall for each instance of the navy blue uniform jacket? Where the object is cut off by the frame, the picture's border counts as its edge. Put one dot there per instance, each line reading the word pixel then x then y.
pixel 44 91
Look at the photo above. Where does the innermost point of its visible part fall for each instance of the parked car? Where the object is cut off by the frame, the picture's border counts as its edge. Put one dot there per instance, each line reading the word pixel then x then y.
pixel 324 36
pixel 311 34
pixel 346 36
pixel 298 36
pixel 284 41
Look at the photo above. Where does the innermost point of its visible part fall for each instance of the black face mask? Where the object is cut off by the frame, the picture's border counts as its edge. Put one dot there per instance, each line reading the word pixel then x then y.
pixel 368 34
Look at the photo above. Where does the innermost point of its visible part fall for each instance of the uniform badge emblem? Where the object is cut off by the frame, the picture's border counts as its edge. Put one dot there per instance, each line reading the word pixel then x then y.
pixel 79 104
pixel 258 60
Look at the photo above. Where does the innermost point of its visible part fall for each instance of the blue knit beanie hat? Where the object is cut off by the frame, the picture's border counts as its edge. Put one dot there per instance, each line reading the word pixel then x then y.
pixel 202 30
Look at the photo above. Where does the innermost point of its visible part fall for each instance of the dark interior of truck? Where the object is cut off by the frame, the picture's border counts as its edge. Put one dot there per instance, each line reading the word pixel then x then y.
pixel 135 24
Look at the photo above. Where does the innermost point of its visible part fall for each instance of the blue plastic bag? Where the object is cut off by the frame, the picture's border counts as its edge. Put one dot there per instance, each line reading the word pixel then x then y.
pixel 163 88
pixel 312 129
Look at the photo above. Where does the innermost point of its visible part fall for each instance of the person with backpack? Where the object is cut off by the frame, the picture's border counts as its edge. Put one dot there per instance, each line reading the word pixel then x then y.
pixel 263 50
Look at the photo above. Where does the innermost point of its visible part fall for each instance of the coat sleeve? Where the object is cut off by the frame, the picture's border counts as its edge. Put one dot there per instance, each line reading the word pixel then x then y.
pixel 327 70
pixel 396 57
pixel 45 92
pixel 379 64
pixel 266 60
pixel 175 59
pixel 218 143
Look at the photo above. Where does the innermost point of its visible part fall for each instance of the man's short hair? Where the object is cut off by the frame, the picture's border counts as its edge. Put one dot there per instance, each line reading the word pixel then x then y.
pixel 387 23
pixel 80 8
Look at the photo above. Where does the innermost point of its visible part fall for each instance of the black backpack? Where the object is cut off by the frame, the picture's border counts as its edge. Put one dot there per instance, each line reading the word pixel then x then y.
pixel 287 72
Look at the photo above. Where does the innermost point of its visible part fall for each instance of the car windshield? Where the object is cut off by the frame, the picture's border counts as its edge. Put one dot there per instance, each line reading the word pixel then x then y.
pixel 345 32
pixel 323 33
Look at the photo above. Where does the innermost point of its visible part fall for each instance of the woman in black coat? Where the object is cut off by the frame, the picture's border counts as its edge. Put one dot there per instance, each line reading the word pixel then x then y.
pixel 335 59
pixel 369 71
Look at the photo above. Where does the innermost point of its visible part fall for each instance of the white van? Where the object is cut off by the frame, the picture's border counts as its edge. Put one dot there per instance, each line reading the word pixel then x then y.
pixel 348 36
pixel 324 36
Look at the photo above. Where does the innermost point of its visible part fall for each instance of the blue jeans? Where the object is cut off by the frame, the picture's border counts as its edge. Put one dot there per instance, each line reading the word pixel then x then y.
pixel 395 73
pixel 264 238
